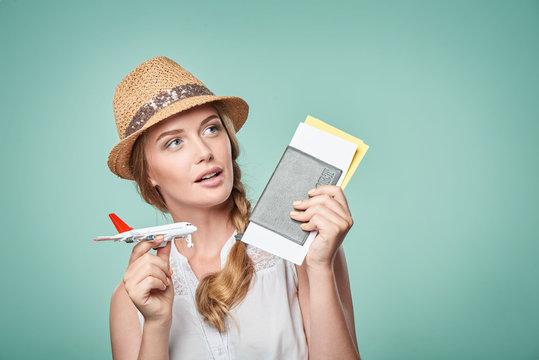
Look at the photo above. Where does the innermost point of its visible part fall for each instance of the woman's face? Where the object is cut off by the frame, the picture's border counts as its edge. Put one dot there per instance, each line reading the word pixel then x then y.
pixel 189 159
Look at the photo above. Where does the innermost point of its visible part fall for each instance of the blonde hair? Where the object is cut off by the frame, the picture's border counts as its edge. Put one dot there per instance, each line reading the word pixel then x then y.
pixel 217 293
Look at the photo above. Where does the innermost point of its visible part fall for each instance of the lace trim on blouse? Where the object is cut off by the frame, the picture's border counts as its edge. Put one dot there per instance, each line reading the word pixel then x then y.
pixel 262 260
pixel 180 288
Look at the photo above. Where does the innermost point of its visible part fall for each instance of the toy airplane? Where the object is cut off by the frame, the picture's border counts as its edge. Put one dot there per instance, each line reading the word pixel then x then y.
pixel 168 232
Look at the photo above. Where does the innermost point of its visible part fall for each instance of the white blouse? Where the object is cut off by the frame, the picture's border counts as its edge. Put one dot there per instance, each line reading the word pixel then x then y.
pixel 267 324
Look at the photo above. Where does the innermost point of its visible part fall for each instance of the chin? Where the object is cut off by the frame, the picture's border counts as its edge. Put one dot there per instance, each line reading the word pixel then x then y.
pixel 217 200
pixel 202 198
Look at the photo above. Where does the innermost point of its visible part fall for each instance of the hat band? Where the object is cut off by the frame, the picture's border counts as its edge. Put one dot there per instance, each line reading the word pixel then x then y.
pixel 162 100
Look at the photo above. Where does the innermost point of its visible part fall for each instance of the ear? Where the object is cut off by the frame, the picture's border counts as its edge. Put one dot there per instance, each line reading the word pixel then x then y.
pixel 150 178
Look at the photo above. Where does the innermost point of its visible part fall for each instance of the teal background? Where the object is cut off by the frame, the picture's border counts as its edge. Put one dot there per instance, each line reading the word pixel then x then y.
pixel 443 256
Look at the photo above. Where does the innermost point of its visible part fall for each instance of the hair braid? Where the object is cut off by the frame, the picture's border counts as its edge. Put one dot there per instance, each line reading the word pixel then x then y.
pixel 217 293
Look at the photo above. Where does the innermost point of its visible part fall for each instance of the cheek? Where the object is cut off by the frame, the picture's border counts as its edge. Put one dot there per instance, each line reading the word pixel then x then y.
pixel 166 169
pixel 226 150
pixel 226 147
pixel 230 161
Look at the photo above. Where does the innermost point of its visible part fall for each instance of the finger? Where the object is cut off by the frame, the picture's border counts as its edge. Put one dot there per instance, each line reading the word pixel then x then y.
pixel 164 252
pixel 320 216
pixel 324 223
pixel 333 191
pixel 319 210
pixel 324 200
pixel 148 269
pixel 143 247
pixel 148 284
pixel 138 265
pixel 140 293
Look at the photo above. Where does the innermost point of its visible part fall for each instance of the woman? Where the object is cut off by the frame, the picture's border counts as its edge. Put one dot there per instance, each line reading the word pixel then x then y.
pixel 220 298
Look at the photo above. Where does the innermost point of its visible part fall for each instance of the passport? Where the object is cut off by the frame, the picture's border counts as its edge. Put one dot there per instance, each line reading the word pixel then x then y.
pixel 296 173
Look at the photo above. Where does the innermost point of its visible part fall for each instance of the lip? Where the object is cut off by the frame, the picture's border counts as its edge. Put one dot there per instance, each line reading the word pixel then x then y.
pixel 213 182
pixel 209 171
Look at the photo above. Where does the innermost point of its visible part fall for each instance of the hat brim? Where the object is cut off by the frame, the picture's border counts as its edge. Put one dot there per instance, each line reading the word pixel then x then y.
pixel 120 154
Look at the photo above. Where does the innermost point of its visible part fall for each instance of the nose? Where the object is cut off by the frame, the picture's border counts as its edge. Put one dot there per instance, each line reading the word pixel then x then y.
pixel 203 151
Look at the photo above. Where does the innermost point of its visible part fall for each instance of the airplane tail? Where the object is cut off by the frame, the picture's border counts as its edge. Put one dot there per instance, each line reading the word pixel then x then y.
pixel 120 225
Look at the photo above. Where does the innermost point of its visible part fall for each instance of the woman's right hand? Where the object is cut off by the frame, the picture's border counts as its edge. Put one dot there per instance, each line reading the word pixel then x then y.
pixel 148 283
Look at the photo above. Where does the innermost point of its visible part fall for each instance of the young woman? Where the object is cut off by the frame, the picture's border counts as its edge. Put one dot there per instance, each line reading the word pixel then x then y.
pixel 221 298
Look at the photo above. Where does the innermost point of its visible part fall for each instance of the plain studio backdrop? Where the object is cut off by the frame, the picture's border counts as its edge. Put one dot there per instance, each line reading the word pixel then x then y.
pixel 443 256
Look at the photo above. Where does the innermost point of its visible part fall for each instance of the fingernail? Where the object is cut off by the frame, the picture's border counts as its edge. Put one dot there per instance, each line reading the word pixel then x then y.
pixel 311 192
pixel 294 213
pixel 297 202
pixel 168 281
pixel 170 271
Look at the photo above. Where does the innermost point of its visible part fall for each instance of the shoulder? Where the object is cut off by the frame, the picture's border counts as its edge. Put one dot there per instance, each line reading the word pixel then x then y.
pixel 119 294
pixel 273 272
pixel 119 301
pixel 261 259
pixel 121 307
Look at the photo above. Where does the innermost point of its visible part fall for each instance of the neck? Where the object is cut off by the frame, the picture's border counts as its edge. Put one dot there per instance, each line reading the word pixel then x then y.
pixel 214 228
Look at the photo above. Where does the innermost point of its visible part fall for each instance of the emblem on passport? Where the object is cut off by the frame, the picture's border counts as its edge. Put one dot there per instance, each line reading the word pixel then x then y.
pixel 296 174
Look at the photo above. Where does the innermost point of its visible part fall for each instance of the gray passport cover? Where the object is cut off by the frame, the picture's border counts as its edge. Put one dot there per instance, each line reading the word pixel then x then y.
pixel 296 174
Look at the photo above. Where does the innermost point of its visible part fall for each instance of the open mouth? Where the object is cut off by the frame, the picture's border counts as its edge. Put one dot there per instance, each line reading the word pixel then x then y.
pixel 209 176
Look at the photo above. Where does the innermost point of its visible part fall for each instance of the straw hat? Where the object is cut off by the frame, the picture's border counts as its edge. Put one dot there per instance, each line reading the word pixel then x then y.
pixel 153 91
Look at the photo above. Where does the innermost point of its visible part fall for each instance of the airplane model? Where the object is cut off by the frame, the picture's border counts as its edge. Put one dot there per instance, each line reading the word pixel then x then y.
pixel 168 232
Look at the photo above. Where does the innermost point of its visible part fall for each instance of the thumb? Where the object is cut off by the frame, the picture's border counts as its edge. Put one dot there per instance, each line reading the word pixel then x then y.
pixel 164 252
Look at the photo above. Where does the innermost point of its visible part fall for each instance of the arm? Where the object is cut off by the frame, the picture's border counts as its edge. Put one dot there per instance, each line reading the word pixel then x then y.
pixel 345 294
pixel 125 335
pixel 323 284
pixel 330 308
pixel 144 284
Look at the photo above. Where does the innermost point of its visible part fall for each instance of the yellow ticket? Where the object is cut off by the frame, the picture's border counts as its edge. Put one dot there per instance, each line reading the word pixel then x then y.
pixel 361 146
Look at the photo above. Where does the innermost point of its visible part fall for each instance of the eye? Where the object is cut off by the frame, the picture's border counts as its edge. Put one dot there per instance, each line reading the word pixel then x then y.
pixel 174 143
pixel 212 129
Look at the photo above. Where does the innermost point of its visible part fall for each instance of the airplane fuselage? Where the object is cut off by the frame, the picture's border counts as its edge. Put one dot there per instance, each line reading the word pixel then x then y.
pixel 169 232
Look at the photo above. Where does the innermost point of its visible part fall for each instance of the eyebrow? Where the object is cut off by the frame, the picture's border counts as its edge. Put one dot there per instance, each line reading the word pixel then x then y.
pixel 179 131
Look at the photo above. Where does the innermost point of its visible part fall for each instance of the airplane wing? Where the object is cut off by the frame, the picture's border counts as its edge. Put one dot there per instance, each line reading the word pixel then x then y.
pixel 167 232
pixel 105 238
pixel 130 237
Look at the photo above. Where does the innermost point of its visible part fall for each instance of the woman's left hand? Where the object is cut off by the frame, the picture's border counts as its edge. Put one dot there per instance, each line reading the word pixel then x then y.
pixel 326 211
